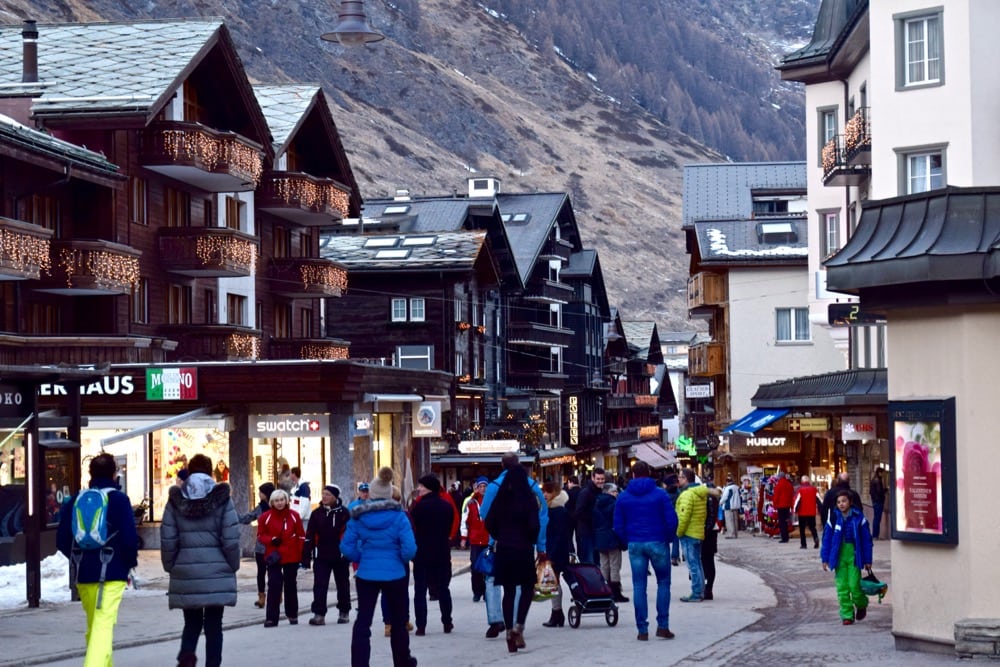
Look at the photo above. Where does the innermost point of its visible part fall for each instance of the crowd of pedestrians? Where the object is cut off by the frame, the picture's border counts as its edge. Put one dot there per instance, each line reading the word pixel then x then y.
pixel 656 521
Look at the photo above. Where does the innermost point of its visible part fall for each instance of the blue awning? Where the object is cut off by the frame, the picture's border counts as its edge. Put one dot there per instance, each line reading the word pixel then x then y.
pixel 755 421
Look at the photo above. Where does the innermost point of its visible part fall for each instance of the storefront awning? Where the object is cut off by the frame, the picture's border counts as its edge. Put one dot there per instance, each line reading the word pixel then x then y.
pixel 393 398
pixel 755 421
pixel 655 455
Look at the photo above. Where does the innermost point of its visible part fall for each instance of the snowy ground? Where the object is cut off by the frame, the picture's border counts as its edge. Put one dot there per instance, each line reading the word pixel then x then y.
pixel 55 580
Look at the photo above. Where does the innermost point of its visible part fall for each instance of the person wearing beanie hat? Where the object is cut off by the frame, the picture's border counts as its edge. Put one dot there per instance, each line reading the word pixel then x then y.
pixel 322 551
pixel 474 536
pixel 379 538
pixel 264 492
pixel 433 514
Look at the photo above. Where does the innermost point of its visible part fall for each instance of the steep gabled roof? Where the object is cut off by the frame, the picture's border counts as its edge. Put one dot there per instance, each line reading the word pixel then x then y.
pixel 285 107
pixel 58 150
pixel 639 335
pixel 405 252
pixel 724 191
pixel 585 265
pixel 840 38
pixel 541 212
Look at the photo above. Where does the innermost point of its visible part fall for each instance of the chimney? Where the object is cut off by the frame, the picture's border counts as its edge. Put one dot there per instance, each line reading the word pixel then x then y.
pixel 29 35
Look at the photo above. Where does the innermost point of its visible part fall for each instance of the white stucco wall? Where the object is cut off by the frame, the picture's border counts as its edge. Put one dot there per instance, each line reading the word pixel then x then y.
pixel 755 359
pixel 941 354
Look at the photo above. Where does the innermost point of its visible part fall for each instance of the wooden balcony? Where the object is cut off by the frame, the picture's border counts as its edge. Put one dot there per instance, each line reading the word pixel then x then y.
pixel 308 348
pixel 91 268
pixel 208 252
pixel 533 334
pixel 837 169
pixel 548 291
pixel 215 342
pixel 858 139
pixel 536 380
pixel 705 292
pixel 203 158
pixel 306 277
pixel 25 250
pixel 303 199
pixel 619 437
pixel 707 360
pixel 626 401
pixel 79 350
pixel 556 249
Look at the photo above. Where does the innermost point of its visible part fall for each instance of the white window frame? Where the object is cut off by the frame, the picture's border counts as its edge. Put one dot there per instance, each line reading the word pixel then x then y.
pixel 418 309
pixel 829 232
pixel 919 49
pixel 792 325
pixel 405 354
pixel 397 310
pixel 930 178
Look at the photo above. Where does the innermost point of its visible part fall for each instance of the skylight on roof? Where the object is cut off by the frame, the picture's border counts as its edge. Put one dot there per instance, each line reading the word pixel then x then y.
pixel 419 240
pixel 520 217
pixel 396 209
pixel 776 232
pixel 382 242
pixel 392 254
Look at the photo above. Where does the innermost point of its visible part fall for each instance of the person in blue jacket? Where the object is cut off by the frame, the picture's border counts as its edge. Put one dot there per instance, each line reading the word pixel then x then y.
pixel 101 599
pixel 847 549
pixel 379 538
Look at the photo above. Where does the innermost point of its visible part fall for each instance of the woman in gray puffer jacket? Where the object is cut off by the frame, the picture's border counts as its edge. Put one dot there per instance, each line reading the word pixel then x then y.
pixel 200 549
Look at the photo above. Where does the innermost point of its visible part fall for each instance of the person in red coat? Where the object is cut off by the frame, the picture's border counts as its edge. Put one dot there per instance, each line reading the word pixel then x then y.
pixel 784 494
pixel 280 531
pixel 474 535
pixel 806 505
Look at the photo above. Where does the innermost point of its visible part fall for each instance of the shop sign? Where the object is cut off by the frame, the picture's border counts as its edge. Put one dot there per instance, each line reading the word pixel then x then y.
pixel 276 426
pixel 574 421
pixel 857 428
pixel 488 446
pixel 109 385
pixel 808 424
pixel 706 390
pixel 427 419
pixel 362 424
pixel 766 442
pixel 171 384
pixel 14 402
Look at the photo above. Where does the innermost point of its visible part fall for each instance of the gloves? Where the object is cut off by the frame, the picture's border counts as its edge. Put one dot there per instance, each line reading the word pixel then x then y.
pixel 275 541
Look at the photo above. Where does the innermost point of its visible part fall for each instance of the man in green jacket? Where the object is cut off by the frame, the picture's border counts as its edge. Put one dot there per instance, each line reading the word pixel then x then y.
pixel 692 510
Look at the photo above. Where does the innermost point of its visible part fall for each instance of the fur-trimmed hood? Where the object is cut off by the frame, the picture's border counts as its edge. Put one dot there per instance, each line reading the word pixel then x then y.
pixel 559 500
pixel 194 508
pixel 363 509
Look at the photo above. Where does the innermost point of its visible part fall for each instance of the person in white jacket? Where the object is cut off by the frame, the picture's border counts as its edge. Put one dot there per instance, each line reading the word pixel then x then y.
pixel 731 507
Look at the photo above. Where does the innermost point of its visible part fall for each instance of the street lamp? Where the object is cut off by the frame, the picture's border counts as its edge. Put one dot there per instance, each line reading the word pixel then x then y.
pixel 353 27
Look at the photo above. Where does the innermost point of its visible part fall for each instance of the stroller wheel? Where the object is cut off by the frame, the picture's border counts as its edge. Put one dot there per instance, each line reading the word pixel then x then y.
pixel 611 616
pixel 574 617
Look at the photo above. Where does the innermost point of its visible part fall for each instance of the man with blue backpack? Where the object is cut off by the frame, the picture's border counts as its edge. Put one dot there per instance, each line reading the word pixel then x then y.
pixel 98 534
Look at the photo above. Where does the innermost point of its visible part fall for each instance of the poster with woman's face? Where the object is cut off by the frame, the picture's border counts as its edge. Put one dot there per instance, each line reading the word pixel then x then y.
pixel 918 489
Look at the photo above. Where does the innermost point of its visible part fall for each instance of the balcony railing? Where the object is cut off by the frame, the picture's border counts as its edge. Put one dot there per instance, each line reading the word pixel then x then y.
pixel 306 277
pixel 705 290
pixel 536 379
pixel 548 291
pixel 858 138
pixel 215 342
pixel 624 401
pixel 303 199
pixel 79 350
pixel 707 360
pixel 208 252
pixel 837 169
pixel 207 159
pixel 538 335
pixel 308 348
pixel 618 437
pixel 91 268
pixel 24 250
pixel 556 249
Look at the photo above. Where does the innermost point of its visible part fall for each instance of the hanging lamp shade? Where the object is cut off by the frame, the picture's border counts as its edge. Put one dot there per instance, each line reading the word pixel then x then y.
pixel 352 27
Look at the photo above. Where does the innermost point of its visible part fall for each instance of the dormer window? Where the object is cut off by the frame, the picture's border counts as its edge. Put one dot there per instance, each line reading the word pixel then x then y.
pixel 776 232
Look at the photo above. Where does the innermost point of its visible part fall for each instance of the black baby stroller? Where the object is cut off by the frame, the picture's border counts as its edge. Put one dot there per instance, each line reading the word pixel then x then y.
pixel 591 593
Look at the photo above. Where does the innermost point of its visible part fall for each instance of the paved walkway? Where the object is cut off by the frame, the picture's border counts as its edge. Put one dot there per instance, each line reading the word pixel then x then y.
pixel 773 604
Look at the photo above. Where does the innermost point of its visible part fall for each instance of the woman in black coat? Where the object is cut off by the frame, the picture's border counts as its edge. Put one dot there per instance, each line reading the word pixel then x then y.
pixel 513 523
pixel 557 542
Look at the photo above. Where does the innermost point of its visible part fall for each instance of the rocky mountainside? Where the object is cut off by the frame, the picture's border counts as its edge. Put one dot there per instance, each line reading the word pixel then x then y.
pixel 604 100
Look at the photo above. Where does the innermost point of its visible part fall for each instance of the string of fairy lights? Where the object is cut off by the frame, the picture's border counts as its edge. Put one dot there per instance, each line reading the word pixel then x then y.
pixel 109 269
pixel 223 250
pixel 329 277
pixel 198 145
pixel 315 196
pixel 25 253
pixel 857 132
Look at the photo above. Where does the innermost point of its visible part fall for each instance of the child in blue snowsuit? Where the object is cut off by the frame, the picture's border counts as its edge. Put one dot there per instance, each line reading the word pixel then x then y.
pixel 847 549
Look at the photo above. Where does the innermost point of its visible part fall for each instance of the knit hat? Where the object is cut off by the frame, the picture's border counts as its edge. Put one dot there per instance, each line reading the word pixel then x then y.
pixel 381 487
pixel 363 486
pixel 267 488
pixel 431 483
pixel 482 480
pixel 334 489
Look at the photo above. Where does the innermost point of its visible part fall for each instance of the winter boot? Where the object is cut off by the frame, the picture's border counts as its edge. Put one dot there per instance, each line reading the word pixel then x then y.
pixel 317 620
pixel 512 641
pixel 187 660
pixel 708 593
pixel 616 592
pixel 556 620
pixel 261 598
pixel 519 634
pixel 344 617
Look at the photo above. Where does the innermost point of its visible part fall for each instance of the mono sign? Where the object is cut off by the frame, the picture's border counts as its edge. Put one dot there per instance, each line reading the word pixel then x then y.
pixel 276 426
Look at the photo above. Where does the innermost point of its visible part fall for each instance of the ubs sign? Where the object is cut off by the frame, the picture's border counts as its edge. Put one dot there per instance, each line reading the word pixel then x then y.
pixel 276 426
